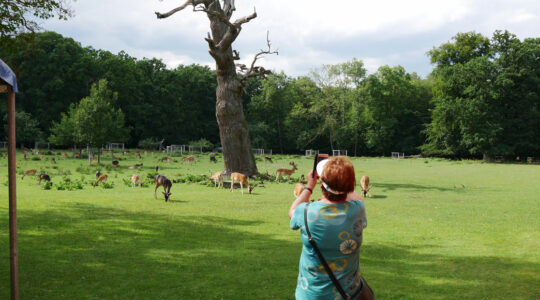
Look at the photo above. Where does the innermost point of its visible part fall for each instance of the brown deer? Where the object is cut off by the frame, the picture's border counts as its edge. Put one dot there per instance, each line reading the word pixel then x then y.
pixel 217 178
pixel 286 172
pixel 167 159
pixel 161 180
pixel 145 153
pixel 364 183
pixel 298 188
pixel 100 179
pixel 138 155
pixel 268 159
pixel 45 177
pixel 135 166
pixel 213 159
pixel 189 159
pixel 64 154
pixel 98 173
pixel 242 179
pixel 29 172
pixel 135 180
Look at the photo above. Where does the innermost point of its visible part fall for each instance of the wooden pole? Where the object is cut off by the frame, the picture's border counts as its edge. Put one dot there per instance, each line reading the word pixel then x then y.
pixel 12 197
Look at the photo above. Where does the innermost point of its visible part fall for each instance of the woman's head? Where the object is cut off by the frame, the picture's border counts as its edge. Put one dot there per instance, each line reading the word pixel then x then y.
pixel 337 178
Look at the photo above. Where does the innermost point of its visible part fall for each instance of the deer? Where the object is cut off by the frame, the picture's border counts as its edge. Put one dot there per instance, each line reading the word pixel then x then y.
pixel 135 166
pixel 189 159
pixel 145 153
pixel 156 168
pixel 115 163
pixel 29 172
pixel 242 179
pixel 53 159
pixel 364 182
pixel 45 177
pixel 64 154
pixel 161 180
pixel 286 172
pixel 213 159
pixel 167 159
pixel 138 155
pixel 98 173
pixel 217 178
pixel 299 187
pixel 268 159
pixel 100 179
pixel 135 180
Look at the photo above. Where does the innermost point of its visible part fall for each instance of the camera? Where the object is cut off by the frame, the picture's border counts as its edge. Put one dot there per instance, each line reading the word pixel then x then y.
pixel 318 158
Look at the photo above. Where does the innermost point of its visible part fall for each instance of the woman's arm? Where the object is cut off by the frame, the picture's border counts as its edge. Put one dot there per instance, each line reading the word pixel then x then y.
pixel 304 196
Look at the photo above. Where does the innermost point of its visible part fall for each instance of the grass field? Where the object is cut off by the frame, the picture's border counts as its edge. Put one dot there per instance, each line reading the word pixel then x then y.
pixel 437 229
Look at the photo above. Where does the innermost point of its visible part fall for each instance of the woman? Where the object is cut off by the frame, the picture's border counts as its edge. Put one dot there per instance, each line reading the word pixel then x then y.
pixel 336 223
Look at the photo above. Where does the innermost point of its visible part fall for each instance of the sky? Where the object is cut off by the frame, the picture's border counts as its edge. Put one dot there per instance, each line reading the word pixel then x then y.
pixel 307 33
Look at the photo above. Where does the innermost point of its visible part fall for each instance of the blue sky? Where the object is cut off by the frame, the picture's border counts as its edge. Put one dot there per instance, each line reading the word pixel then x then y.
pixel 307 33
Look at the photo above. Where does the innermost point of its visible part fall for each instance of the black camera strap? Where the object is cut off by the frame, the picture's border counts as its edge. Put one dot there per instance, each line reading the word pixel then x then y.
pixel 323 261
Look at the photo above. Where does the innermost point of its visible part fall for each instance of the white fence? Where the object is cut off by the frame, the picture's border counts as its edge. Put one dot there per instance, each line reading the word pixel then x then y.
pixel 195 148
pixel 339 152
pixel 3 145
pixel 398 155
pixel 175 148
pixel 112 146
pixel 312 152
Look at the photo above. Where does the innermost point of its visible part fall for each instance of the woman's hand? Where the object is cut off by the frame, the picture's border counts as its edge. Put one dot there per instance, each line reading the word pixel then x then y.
pixel 312 180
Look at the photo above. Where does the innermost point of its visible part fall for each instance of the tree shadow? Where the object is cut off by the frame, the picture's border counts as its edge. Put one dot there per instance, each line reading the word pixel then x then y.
pixel 395 186
pixel 84 251
pixel 378 196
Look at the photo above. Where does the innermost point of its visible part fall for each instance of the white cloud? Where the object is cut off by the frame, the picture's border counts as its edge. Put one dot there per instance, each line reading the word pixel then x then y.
pixel 308 33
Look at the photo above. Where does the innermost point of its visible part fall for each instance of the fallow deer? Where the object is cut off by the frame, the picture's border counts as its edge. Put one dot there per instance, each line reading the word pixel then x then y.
pixel 29 172
pixel 298 188
pixel 135 180
pixel 145 153
pixel 98 173
pixel 115 163
pixel 45 177
pixel 156 168
pixel 53 159
pixel 161 180
pixel 217 178
pixel 268 159
pixel 100 179
pixel 286 172
pixel 364 183
pixel 138 155
pixel 135 166
pixel 213 159
pixel 242 179
pixel 190 159
pixel 64 154
pixel 167 159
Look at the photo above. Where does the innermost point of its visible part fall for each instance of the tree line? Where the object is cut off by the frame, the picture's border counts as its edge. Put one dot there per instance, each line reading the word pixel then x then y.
pixel 482 98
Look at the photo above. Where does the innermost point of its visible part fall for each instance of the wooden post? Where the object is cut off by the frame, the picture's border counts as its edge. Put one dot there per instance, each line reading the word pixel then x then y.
pixel 12 194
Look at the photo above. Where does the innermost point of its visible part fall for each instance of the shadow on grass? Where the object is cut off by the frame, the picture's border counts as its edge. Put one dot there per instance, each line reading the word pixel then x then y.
pixel 91 252
pixel 396 186
pixel 401 272
pixel 378 196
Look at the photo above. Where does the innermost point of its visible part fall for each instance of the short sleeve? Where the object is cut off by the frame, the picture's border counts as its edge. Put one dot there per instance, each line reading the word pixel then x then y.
pixel 297 220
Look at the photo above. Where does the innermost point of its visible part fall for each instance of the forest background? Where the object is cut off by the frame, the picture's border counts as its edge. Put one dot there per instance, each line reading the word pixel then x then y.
pixel 482 98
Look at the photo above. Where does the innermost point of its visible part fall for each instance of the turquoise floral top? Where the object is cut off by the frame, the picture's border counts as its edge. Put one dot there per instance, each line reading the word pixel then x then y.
pixel 337 229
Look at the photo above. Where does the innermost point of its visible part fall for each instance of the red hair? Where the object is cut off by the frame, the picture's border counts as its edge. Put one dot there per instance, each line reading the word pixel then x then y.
pixel 338 174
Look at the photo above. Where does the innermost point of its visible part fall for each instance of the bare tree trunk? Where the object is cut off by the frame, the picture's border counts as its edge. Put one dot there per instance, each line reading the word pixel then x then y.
pixel 233 130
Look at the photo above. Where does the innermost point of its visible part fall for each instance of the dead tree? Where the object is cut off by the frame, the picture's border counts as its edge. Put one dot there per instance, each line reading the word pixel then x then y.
pixel 233 130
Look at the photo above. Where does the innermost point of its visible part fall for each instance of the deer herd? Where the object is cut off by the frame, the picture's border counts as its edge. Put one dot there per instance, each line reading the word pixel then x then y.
pixel 218 178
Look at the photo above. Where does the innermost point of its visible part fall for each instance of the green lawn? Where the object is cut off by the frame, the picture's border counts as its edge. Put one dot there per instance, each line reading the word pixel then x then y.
pixel 436 230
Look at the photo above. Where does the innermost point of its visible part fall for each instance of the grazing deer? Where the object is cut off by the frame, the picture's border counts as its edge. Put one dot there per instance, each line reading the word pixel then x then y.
pixel 145 153
pixel 115 163
pixel 268 159
pixel 161 180
pixel 286 172
pixel 29 172
pixel 98 173
pixel 217 178
pixel 53 159
pixel 45 177
pixel 135 180
pixel 213 159
pixel 100 179
pixel 135 166
pixel 76 155
pixel 242 179
pixel 298 188
pixel 156 168
pixel 64 154
pixel 189 159
pixel 364 182
pixel 167 159
pixel 138 155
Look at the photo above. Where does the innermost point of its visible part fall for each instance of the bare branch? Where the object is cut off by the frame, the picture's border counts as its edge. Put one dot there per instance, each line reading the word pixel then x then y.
pixel 228 7
pixel 256 71
pixel 179 8
pixel 246 19
pixel 236 55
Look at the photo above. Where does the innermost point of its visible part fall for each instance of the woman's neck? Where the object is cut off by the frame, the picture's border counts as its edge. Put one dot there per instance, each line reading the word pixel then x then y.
pixel 325 200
